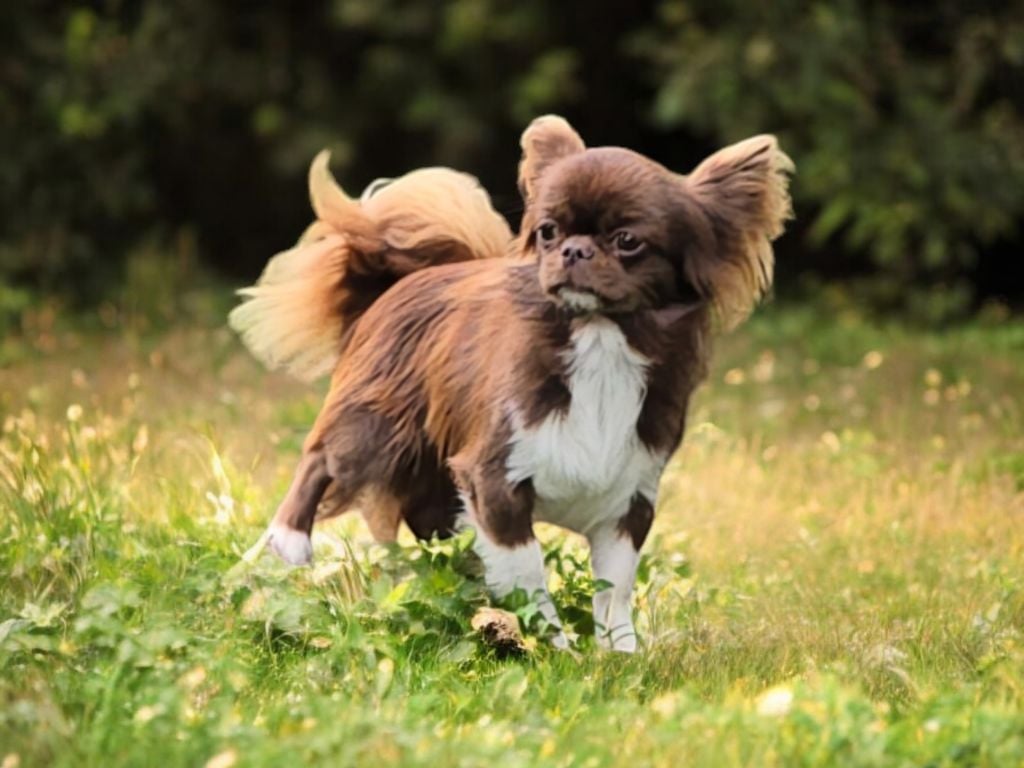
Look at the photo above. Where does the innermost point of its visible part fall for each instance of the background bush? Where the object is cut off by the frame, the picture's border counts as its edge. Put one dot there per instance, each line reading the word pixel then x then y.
pixel 186 127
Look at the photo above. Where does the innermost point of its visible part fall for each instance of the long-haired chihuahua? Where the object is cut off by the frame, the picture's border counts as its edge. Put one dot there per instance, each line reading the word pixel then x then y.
pixel 488 381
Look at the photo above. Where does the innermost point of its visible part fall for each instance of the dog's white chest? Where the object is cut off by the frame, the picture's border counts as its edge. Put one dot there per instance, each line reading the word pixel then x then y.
pixel 587 462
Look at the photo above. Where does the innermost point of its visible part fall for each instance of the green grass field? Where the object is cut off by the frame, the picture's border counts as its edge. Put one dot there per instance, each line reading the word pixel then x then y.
pixel 835 577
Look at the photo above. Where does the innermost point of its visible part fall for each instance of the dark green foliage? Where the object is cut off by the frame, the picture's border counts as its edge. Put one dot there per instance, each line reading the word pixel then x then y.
pixel 131 128
pixel 905 118
pixel 125 122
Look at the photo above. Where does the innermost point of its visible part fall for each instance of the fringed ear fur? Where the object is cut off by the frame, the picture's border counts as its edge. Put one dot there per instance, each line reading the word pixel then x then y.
pixel 742 192
pixel 545 140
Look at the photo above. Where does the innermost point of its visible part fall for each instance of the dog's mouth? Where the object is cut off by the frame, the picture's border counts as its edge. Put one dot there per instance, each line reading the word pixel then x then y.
pixel 578 301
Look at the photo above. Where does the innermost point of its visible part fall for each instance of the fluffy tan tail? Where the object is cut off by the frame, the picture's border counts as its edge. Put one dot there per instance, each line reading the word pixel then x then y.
pixel 297 313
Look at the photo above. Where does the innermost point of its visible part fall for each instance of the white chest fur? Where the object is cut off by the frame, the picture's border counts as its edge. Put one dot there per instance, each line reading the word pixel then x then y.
pixel 586 463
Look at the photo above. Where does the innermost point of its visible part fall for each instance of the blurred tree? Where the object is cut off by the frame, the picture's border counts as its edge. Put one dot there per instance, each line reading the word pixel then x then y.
pixel 128 126
pixel 127 121
pixel 905 118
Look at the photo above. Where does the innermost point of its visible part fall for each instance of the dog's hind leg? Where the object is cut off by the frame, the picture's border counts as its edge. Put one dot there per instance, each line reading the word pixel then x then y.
pixel 345 455
pixel 382 511
pixel 289 532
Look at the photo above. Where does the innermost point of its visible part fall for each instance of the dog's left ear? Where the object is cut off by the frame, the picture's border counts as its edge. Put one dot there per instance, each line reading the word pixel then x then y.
pixel 742 192
pixel 546 139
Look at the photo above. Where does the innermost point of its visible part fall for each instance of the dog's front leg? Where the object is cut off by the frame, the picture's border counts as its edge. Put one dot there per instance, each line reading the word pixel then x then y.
pixel 614 555
pixel 502 516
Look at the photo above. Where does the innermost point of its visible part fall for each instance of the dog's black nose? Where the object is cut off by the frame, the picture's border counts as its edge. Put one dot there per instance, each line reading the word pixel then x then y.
pixel 577 249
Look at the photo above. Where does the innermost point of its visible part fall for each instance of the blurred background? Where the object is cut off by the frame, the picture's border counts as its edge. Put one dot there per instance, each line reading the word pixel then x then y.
pixel 148 147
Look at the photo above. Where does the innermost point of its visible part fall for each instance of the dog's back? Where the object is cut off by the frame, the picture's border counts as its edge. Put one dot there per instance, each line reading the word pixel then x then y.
pixel 406 394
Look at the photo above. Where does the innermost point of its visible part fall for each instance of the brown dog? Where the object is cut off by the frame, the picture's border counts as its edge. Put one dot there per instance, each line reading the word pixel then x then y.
pixel 546 379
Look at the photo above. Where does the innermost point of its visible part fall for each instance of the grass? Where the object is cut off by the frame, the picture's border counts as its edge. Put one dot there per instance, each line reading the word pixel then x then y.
pixel 835 577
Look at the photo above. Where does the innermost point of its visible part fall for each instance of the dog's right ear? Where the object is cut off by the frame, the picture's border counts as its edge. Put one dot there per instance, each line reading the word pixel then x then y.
pixel 547 139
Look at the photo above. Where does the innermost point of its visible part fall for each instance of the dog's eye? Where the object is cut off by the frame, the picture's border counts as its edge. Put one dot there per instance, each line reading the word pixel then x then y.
pixel 547 231
pixel 627 243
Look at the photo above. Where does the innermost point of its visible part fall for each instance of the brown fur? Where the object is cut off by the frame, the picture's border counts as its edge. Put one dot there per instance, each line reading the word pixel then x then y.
pixel 433 365
pixel 546 140
pixel 741 192
pixel 637 521
pixel 727 211
pixel 422 373
pixel 428 405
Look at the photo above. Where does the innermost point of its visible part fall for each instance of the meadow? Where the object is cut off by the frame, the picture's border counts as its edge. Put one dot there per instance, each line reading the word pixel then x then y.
pixel 835 575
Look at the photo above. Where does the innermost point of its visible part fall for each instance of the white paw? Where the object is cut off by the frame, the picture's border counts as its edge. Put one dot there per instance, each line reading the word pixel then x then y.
pixel 292 546
pixel 621 638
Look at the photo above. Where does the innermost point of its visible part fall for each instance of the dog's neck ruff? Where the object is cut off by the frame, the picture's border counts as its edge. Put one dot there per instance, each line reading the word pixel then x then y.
pixel 586 462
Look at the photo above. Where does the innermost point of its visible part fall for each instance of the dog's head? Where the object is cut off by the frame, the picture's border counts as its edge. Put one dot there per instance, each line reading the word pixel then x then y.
pixel 616 232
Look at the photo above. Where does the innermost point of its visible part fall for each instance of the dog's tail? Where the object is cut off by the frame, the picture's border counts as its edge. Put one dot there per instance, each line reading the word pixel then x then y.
pixel 298 312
